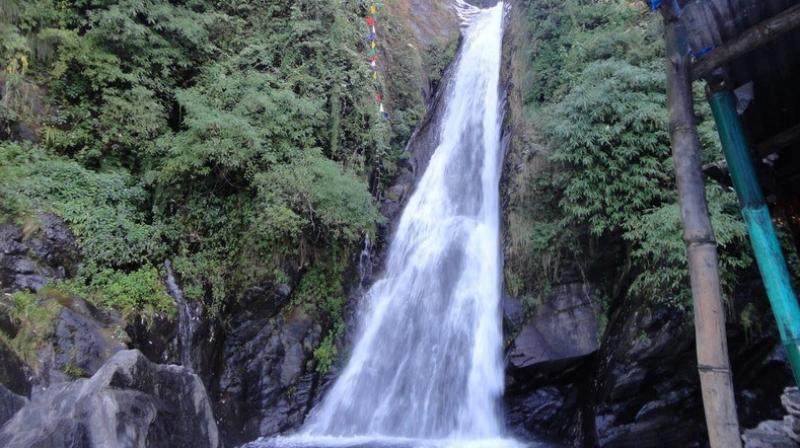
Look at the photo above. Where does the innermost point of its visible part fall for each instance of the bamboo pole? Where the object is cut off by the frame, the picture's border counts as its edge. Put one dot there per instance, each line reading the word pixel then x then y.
pixel 709 314
pixel 763 238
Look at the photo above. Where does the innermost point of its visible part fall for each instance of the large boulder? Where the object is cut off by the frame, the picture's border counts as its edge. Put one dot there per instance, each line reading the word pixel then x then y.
pixel 31 258
pixel 778 433
pixel 563 328
pixel 129 402
pixel 547 358
pixel 74 340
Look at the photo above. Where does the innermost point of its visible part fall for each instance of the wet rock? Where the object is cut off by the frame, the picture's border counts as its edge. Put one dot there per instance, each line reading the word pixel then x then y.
pixel 129 402
pixel 513 315
pixel 267 383
pixel 769 434
pixel 658 432
pixel 154 337
pixel 778 433
pixel 564 327
pixel 14 374
pixel 29 260
pixel 190 337
pixel 537 413
pixel 647 392
pixel 84 338
pixel 10 403
pixel 791 402
pixel 189 322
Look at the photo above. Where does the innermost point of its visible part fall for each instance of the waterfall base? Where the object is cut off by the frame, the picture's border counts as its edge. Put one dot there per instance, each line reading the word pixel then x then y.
pixel 384 442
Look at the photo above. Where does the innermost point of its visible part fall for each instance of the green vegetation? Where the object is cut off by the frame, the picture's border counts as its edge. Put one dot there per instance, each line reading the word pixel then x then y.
pixel 34 315
pixel 593 88
pixel 321 292
pixel 235 138
pixel 141 291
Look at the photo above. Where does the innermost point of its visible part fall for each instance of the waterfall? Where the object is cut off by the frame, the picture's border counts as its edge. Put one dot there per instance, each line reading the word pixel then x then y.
pixel 427 369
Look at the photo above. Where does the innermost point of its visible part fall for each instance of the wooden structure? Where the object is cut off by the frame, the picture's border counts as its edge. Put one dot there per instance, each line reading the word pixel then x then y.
pixel 737 42
pixel 751 47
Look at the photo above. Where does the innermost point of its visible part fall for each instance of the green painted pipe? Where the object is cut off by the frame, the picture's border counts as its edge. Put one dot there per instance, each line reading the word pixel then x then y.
pixel 768 253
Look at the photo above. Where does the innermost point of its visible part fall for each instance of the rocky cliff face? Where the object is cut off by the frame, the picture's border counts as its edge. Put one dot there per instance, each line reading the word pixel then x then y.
pixel 251 364
pixel 622 375
pixel 576 374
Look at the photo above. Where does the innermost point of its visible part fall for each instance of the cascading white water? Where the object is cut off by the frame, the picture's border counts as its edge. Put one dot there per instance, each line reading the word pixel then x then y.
pixel 426 369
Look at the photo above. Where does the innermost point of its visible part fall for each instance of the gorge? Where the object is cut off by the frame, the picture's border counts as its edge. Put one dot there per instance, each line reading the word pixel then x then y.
pixel 209 237
pixel 426 364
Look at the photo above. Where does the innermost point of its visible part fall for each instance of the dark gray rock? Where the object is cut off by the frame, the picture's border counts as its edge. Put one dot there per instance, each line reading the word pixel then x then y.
pixel 768 434
pixel 564 327
pixel 657 432
pixel 547 361
pixel 647 393
pixel 267 382
pixel 84 338
pixel 14 374
pixel 129 402
pixel 536 412
pixel 10 403
pixel 30 261
pixel 778 433
pixel 513 315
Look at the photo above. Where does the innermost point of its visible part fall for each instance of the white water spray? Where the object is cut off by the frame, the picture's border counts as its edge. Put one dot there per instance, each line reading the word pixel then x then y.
pixel 427 366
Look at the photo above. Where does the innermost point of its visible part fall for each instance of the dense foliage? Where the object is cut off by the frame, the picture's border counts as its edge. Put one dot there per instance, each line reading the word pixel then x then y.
pixel 593 87
pixel 239 139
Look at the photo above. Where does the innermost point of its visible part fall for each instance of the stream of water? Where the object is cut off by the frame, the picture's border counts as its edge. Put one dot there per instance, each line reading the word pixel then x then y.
pixel 427 370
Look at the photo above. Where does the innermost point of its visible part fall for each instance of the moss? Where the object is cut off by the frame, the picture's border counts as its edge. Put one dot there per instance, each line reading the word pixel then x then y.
pixel 74 371
pixel 436 60
pixel 140 293
pixel 325 354
pixel 34 315
pixel 321 293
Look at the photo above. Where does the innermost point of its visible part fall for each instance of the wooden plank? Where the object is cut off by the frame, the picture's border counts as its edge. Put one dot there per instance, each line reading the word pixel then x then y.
pixel 748 41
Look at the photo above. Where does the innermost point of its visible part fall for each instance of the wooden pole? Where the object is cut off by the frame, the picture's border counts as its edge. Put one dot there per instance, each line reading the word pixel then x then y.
pixel 709 314
pixel 749 40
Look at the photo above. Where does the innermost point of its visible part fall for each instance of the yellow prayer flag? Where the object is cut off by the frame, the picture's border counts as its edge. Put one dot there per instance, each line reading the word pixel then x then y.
pixel 373 9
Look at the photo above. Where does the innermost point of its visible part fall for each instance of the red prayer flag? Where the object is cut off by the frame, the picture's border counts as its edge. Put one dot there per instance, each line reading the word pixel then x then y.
pixel 370 21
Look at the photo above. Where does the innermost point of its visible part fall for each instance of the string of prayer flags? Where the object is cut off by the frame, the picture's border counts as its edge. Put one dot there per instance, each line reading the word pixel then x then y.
pixel 372 55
